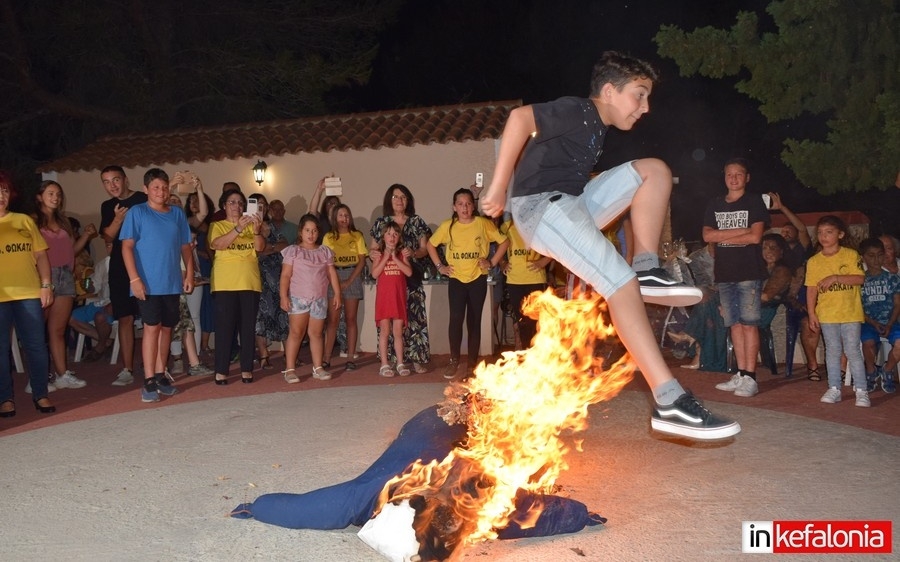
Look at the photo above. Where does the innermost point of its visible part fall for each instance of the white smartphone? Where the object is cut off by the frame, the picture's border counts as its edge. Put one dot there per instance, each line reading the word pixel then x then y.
pixel 767 200
pixel 252 206
pixel 479 179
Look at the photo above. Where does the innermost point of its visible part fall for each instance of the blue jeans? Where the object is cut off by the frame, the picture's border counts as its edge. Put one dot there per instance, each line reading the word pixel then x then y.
pixel 28 318
pixel 843 338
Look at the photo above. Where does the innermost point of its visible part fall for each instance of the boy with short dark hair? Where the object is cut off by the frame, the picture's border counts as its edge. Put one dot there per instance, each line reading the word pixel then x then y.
pixel 560 210
pixel 155 239
pixel 881 306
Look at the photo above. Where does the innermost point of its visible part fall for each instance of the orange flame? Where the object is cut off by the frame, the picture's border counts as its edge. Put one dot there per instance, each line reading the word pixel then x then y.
pixel 520 410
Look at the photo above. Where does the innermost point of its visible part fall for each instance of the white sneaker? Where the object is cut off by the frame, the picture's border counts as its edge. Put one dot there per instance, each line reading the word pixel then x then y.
pixel 832 395
pixel 178 367
pixel 69 380
pixel 731 384
pixel 747 387
pixel 124 378
pixel 862 399
pixel 50 387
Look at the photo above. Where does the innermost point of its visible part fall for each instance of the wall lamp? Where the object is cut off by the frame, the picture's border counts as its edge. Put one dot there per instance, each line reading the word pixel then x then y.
pixel 259 171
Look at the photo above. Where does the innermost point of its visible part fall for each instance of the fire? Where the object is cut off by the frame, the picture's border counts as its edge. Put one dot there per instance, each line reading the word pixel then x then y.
pixel 520 412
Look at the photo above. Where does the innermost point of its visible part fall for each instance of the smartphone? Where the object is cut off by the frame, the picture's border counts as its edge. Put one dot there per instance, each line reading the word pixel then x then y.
pixel 252 206
pixel 767 200
pixel 479 179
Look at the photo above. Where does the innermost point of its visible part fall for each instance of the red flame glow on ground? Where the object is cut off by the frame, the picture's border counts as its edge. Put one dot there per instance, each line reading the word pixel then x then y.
pixel 523 412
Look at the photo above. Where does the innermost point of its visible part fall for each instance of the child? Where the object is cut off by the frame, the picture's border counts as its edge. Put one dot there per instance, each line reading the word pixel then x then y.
pixel 526 272
pixel 350 253
pixel 306 272
pixel 467 238
pixel 881 305
pixel 559 214
pixel 391 271
pixel 833 279
pixel 64 245
pixel 156 238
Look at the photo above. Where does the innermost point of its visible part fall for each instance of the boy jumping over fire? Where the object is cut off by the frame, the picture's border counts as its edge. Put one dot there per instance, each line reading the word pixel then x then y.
pixel 559 211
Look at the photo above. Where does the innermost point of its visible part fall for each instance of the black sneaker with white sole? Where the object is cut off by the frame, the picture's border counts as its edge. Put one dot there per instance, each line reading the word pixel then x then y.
pixel 687 417
pixel 658 287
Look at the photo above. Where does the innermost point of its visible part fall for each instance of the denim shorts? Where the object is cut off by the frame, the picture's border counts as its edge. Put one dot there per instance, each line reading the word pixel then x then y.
pixel 63 281
pixel 869 334
pixel 568 227
pixel 316 308
pixel 741 302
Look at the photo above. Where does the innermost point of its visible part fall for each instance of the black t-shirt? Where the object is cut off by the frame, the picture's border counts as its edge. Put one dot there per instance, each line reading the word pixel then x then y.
pixel 107 215
pixel 737 262
pixel 563 153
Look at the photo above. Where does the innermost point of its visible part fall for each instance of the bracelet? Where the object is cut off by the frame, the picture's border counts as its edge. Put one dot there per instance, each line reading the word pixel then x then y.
pixel 438 265
pixel 236 229
pixel 133 280
pixel 46 286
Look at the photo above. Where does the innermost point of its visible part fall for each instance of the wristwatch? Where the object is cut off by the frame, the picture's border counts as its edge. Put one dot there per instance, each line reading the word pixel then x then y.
pixel 50 286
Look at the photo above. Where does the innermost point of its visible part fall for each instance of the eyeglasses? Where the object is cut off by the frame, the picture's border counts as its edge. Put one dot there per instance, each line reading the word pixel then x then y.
pixel 398 197
pixel 235 202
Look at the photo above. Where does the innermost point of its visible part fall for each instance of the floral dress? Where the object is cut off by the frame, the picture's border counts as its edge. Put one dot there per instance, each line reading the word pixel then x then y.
pixel 416 347
pixel 271 320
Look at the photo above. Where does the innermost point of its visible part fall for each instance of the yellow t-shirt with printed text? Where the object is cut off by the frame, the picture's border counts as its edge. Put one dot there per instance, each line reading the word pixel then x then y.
pixel 465 244
pixel 347 248
pixel 839 303
pixel 19 240
pixel 520 256
pixel 236 268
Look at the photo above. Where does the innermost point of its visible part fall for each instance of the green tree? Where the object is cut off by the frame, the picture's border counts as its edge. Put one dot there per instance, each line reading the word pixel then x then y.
pixel 834 59
pixel 75 69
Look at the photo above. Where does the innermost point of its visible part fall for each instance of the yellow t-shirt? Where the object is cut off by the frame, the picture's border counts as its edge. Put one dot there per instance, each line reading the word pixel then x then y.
pixel 235 268
pixel 19 240
pixel 840 303
pixel 520 257
pixel 347 248
pixel 466 244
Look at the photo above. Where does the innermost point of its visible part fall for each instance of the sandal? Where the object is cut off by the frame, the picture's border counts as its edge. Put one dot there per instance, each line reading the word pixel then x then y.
pixel 7 409
pixel 319 373
pixel 290 377
pixel 402 370
pixel 264 362
pixel 386 371
pixel 420 368
pixel 813 374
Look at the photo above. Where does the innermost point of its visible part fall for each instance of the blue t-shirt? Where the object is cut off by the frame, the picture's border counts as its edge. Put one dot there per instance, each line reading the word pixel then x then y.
pixel 878 295
pixel 158 238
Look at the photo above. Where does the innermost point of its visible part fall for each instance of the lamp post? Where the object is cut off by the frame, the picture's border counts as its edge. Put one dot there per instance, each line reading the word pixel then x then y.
pixel 259 171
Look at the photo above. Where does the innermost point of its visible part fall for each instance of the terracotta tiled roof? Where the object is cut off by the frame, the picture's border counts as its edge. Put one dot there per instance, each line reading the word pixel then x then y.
pixel 406 127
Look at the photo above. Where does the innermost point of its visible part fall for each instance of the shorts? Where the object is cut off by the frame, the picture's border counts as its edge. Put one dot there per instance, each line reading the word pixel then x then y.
pixel 741 302
pixel 63 281
pixel 88 312
pixel 123 304
pixel 316 308
pixel 870 334
pixel 160 309
pixel 354 291
pixel 567 227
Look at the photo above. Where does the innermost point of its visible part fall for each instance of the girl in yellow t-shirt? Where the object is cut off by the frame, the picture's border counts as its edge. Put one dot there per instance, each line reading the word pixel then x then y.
pixel 350 253
pixel 466 239
pixel 526 272
pixel 833 279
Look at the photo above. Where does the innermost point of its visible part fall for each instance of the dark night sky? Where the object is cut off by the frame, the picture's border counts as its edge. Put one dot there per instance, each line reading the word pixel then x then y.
pixel 458 51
